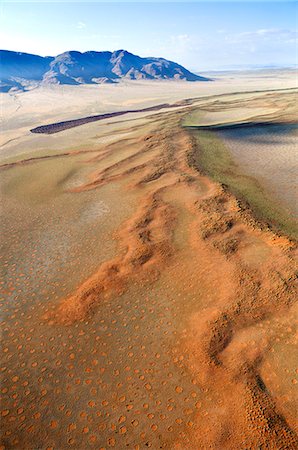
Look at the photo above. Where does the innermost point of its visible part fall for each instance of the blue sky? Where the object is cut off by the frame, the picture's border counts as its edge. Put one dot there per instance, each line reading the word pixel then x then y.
pixel 199 35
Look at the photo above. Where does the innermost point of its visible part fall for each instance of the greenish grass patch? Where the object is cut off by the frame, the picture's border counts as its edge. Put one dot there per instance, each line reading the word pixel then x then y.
pixel 193 118
pixel 213 158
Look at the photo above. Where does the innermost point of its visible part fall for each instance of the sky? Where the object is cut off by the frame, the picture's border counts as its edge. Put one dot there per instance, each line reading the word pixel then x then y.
pixel 199 35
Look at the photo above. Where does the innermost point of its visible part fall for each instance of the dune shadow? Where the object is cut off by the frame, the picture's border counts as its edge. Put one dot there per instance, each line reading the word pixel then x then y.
pixel 263 133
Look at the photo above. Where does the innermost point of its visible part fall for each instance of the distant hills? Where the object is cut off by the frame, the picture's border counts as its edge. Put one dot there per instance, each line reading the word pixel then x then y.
pixel 22 70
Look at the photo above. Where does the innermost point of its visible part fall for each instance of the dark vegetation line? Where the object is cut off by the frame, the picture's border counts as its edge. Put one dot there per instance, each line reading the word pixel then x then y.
pixel 34 159
pixel 228 94
pixel 65 125
pixel 61 126
pixel 22 162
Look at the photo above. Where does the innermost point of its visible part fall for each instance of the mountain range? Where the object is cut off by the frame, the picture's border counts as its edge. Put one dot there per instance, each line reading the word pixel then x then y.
pixel 22 70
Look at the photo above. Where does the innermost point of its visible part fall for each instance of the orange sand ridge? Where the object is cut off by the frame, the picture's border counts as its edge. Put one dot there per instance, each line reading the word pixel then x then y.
pixel 169 344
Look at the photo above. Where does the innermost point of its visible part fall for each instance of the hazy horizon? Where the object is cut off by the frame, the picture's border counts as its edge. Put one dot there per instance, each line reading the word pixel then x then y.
pixel 201 36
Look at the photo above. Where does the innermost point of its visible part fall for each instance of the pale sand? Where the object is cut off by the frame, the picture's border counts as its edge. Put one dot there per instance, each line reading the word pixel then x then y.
pixel 228 115
pixel 269 154
pixel 23 111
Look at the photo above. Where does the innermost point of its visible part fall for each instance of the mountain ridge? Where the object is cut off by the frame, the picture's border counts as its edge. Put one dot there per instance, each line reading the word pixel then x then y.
pixel 19 70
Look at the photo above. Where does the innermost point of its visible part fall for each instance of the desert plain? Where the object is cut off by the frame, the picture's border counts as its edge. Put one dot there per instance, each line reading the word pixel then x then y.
pixel 148 286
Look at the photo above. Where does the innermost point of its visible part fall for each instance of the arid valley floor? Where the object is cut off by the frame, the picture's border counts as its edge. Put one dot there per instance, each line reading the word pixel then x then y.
pixel 148 260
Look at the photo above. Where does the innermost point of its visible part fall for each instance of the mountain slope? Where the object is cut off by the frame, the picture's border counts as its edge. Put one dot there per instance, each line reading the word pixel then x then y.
pixel 17 66
pixel 19 69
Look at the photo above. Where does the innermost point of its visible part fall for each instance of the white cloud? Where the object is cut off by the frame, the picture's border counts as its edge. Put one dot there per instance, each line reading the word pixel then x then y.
pixel 263 34
pixel 101 36
pixel 180 39
pixel 81 25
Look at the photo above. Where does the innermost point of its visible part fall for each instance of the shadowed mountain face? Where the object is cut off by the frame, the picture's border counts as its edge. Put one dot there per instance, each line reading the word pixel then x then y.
pixel 19 69
pixel 16 69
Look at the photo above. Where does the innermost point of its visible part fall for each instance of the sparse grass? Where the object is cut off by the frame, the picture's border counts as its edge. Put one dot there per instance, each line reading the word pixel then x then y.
pixel 193 118
pixel 213 158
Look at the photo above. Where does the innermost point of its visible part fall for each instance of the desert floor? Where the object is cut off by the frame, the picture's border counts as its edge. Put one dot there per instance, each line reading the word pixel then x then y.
pixel 148 266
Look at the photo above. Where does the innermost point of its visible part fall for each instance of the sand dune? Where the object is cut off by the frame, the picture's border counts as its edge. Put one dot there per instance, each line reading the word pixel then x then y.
pixel 164 320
